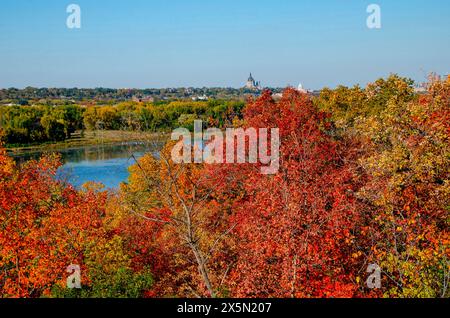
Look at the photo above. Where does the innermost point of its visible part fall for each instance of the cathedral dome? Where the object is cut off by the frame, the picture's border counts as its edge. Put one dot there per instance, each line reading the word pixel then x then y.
pixel 301 89
pixel 252 83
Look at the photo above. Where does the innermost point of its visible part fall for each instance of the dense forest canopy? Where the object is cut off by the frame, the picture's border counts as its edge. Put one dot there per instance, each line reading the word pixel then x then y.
pixel 41 123
pixel 363 183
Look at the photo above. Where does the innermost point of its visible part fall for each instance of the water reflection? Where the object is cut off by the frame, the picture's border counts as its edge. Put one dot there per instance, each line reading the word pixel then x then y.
pixel 107 164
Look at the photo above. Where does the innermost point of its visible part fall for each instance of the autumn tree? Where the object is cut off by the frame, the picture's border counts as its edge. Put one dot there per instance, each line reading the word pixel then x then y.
pixel 407 195
pixel 294 229
pixel 173 206
pixel 348 104
pixel 47 225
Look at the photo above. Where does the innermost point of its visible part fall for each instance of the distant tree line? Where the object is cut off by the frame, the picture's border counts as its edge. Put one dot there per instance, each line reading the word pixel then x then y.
pixel 36 124
pixel 24 96
pixel 43 123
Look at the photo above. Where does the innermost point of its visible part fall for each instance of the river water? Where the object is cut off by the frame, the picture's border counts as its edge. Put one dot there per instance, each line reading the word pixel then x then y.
pixel 107 164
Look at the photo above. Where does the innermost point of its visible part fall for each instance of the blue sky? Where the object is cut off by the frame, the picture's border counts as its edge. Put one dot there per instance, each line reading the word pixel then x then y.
pixel 180 43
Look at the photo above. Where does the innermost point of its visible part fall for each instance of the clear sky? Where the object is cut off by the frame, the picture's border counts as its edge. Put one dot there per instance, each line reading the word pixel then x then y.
pixel 180 43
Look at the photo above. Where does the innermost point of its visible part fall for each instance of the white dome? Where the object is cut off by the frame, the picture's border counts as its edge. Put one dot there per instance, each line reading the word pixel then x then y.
pixel 301 89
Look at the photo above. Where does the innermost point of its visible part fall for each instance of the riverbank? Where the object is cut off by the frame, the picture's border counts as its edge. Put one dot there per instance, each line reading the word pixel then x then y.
pixel 92 138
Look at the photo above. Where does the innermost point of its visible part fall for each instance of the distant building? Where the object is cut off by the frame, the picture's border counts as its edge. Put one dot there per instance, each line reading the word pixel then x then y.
pixel 301 89
pixel 278 96
pixel 200 98
pixel 252 84
pixel 420 89
pixel 143 99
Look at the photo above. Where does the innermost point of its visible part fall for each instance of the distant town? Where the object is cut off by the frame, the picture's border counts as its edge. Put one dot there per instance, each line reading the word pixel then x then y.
pixel 252 87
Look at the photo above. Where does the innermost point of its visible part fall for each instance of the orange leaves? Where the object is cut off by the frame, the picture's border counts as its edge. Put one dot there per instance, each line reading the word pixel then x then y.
pixel 45 227
pixel 291 227
pixel 6 163
pixel 179 227
pixel 374 190
pixel 408 191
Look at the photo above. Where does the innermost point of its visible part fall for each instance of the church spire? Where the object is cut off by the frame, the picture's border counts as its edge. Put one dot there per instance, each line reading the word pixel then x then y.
pixel 252 83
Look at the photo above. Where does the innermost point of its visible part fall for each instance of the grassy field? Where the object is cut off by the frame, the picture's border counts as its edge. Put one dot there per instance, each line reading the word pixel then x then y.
pixel 89 138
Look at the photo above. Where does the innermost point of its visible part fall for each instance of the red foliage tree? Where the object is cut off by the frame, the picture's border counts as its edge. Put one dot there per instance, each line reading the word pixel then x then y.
pixel 295 228
pixel 45 226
